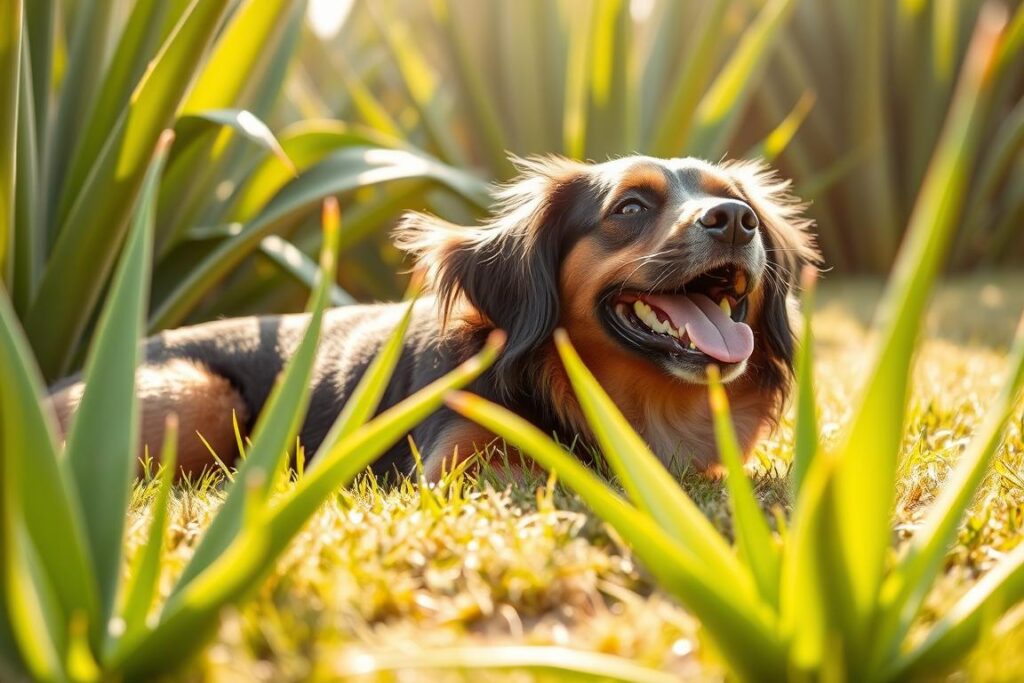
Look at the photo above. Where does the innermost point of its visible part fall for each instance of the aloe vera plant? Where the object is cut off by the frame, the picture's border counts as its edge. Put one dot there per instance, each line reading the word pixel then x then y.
pixel 823 599
pixel 66 613
pixel 77 136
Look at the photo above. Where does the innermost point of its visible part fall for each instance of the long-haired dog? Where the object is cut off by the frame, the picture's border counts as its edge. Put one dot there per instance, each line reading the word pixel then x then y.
pixel 655 268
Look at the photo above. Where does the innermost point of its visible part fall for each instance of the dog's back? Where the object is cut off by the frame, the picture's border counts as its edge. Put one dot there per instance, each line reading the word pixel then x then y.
pixel 204 372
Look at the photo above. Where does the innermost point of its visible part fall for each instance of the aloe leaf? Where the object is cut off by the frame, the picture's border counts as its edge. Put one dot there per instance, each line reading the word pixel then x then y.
pixel 36 620
pixel 145 574
pixel 914 576
pixel 367 395
pixel 343 171
pixel 574 120
pixel 10 64
pixel 565 664
pixel 694 75
pixel 241 121
pixel 867 467
pixel 198 160
pixel 649 485
pixel 779 139
pixel 49 504
pixel 279 421
pixel 721 106
pixel 104 435
pixel 305 143
pixel 805 446
pixel 742 630
pixel 39 34
pixel 964 624
pixel 82 256
pixel 80 86
pixel 227 73
pixel 301 267
pixel 753 537
pixel 135 48
pixel 806 601
pixel 28 231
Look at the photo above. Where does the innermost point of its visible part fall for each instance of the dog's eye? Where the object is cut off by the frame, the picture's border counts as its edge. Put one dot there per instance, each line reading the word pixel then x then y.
pixel 630 207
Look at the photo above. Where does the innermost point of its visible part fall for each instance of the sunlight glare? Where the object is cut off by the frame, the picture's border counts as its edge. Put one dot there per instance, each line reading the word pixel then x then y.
pixel 326 17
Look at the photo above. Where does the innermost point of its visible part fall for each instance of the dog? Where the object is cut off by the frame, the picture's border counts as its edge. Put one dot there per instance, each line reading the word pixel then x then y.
pixel 655 268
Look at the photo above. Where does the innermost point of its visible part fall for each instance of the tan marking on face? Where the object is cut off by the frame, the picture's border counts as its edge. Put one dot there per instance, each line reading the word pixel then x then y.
pixel 715 183
pixel 642 176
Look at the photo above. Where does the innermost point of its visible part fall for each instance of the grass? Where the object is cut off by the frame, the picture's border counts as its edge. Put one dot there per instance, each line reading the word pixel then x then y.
pixel 475 563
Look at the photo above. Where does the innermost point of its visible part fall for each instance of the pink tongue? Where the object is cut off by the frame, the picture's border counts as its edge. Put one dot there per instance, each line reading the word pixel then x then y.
pixel 714 333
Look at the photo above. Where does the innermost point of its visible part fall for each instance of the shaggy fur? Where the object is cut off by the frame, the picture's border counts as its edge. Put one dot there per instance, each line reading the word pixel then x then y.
pixel 556 254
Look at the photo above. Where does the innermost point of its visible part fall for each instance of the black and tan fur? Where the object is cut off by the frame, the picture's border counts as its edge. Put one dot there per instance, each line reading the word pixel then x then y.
pixel 547 259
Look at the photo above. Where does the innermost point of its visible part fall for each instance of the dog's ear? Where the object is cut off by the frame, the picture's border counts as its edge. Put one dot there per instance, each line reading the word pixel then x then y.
pixel 506 268
pixel 790 245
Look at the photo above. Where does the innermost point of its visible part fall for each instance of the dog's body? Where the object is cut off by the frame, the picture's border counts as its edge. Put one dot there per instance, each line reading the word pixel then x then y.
pixel 654 268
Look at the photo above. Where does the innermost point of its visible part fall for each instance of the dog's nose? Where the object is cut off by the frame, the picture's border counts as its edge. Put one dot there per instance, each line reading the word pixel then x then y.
pixel 731 222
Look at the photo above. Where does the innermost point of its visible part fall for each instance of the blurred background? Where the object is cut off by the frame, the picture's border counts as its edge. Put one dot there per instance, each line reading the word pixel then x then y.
pixel 414 104
pixel 845 97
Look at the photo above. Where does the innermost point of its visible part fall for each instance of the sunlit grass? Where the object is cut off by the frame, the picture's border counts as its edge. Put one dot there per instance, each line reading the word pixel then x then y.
pixel 379 571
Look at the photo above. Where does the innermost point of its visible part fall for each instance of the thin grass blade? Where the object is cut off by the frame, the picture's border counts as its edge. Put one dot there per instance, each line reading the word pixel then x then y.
pixel 753 537
pixel 280 420
pixel 805 447
pixel 778 140
pixel 138 598
pixel 647 483
pixel 367 395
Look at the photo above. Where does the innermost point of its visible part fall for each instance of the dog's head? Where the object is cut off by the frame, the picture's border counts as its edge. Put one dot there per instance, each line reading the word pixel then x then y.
pixel 656 267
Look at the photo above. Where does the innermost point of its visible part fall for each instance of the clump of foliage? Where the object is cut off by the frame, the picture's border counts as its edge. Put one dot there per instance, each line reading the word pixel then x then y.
pixel 65 613
pixel 825 599
pixel 74 156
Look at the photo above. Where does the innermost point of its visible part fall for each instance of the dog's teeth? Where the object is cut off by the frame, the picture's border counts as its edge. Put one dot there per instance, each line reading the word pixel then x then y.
pixel 724 305
pixel 693 347
pixel 740 283
pixel 647 315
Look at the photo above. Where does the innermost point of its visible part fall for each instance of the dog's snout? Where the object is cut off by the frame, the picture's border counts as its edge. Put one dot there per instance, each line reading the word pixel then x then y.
pixel 731 222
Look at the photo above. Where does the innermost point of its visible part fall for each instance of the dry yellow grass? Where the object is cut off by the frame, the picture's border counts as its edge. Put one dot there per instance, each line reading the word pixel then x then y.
pixel 408 571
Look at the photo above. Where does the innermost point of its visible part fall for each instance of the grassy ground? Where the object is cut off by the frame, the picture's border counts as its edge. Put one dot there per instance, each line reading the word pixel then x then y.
pixel 408 573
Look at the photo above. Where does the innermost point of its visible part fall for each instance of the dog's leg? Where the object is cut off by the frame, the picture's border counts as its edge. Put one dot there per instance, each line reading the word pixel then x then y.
pixel 202 400
pixel 457 442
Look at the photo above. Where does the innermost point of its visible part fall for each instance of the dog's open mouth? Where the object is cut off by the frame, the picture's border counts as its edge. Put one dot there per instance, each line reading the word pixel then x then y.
pixel 702 321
